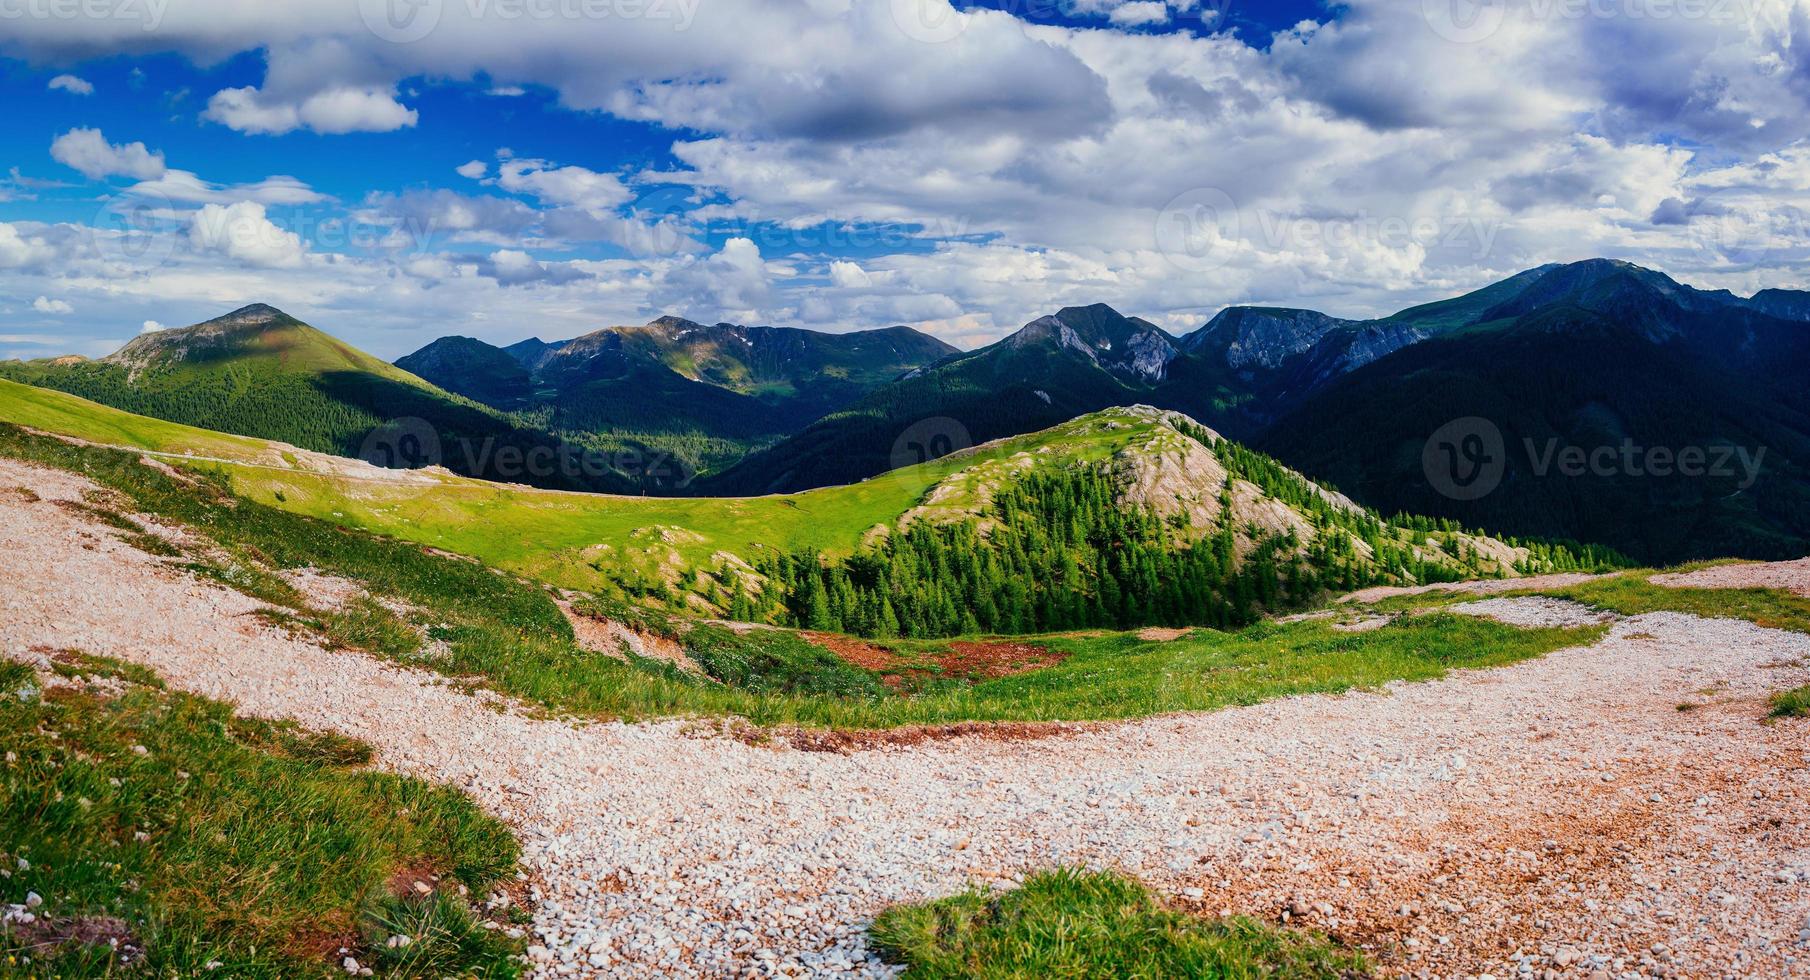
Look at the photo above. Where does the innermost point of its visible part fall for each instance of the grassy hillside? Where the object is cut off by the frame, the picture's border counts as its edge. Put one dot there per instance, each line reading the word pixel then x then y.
pixel 202 841
pixel 259 372
pixel 459 618
pixel 1248 534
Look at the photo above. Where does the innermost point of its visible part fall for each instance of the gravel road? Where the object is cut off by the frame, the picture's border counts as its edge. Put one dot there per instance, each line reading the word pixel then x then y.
pixel 1559 817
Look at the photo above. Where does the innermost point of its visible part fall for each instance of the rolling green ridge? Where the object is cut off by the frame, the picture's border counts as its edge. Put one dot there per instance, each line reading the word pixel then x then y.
pixel 1575 358
pixel 1590 353
pixel 1253 535
pixel 259 372
pixel 509 633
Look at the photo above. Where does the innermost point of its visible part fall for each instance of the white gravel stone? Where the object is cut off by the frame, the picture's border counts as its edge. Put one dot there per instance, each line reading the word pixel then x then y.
pixel 667 853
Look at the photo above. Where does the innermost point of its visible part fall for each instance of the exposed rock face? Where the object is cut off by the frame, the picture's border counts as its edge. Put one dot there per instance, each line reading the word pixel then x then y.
pixel 1147 356
pixel 1378 340
pixel 1249 336
pixel 1171 473
pixel 1129 347
pixel 220 332
pixel 1174 476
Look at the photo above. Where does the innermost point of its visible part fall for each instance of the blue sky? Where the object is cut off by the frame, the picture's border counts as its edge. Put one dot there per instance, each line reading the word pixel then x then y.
pixel 847 164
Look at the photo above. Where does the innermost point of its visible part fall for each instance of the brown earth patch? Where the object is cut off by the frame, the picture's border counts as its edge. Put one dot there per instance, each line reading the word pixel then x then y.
pixel 844 742
pixel 999 658
pixel 46 934
pixel 1162 634
pixel 868 656
pixel 418 879
pixel 969 659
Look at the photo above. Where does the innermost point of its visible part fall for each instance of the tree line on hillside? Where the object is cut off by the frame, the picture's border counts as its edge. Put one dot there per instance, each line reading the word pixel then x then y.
pixel 1059 550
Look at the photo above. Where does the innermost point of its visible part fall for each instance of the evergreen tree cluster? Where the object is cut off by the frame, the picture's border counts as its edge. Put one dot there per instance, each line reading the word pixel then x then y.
pixel 1060 550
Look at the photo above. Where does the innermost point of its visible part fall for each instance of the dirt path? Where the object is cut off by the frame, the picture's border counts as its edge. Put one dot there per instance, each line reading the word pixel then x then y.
pixel 1564 809
pixel 1793 576
pixel 1488 586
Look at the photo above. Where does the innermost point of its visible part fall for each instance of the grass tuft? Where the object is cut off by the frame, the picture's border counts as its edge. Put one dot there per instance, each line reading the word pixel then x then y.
pixel 1070 923
pixel 1792 704
pixel 193 836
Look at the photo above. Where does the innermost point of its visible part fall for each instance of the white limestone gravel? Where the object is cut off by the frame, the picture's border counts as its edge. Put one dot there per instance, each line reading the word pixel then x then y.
pixel 1793 576
pixel 1535 611
pixel 1558 817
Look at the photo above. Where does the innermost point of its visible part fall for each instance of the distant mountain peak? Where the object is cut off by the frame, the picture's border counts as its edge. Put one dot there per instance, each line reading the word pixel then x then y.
pixel 1124 346
pixel 220 332
pixel 678 323
pixel 1262 336
pixel 254 311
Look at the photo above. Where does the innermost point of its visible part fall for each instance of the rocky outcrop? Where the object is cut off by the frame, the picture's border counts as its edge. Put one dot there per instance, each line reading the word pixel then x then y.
pixel 1262 337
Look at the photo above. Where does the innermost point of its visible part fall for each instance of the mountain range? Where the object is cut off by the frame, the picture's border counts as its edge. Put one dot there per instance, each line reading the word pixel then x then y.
pixel 1601 360
pixel 258 371
pixel 704 394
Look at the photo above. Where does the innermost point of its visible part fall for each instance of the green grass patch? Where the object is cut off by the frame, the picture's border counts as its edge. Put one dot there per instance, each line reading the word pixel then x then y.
pixel 1631 595
pixel 511 633
pixel 1792 704
pixel 195 837
pixel 1072 924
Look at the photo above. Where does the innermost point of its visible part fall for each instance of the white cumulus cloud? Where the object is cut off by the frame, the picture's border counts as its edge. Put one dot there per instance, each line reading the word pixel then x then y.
pixel 87 151
pixel 45 304
pixel 1140 13
pixel 72 84
pixel 345 109
pixel 243 232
